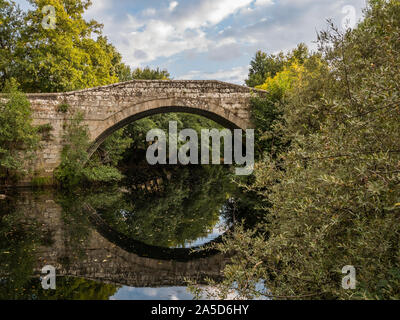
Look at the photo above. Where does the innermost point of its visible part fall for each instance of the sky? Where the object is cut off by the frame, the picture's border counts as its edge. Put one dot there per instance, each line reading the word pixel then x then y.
pixel 213 39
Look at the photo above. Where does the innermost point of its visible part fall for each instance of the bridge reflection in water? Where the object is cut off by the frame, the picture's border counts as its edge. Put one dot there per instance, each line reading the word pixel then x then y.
pixel 83 245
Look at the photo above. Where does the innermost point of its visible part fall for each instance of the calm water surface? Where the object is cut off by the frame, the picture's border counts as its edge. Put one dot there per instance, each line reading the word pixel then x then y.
pixel 138 240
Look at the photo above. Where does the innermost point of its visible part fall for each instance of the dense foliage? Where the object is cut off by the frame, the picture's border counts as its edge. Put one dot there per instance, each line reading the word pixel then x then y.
pixel 11 22
pixel 77 166
pixel 144 74
pixel 332 196
pixel 264 66
pixel 18 137
pixel 72 56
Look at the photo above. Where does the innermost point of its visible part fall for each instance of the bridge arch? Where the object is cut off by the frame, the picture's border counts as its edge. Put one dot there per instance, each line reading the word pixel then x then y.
pixel 212 111
pixel 108 108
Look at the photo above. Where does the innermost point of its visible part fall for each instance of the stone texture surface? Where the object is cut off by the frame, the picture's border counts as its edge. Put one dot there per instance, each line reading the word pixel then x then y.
pixel 109 108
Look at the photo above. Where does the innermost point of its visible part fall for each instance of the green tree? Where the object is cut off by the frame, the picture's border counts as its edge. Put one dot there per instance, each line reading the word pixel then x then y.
pixel 126 74
pixel 76 165
pixel 264 66
pixel 267 110
pixel 333 193
pixel 18 137
pixel 112 150
pixel 67 57
pixel 150 74
pixel 11 22
pixel 74 155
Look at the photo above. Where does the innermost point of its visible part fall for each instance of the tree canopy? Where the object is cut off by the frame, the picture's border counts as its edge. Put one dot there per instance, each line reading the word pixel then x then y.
pixel 74 55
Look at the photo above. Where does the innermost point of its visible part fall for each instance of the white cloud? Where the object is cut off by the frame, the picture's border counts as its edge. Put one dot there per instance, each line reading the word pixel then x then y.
pixel 149 12
pixel 226 31
pixel 157 38
pixel 144 40
pixel 98 7
pixel 164 32
pixel 235 75
pixel 263 3
pixel 210 12
pixel 173 5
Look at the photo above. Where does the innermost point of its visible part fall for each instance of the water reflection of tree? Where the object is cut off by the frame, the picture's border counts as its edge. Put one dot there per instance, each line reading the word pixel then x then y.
pixel 244 208
pixel 76 227
pixel 185 208
pixel 17 243
pixel 70 288
pixel 21 235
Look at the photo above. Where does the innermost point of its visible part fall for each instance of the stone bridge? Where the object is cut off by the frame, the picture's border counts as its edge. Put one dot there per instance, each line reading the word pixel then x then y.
pixel 109 108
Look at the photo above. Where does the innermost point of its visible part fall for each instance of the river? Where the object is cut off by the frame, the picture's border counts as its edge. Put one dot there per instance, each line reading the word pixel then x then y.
pixel 142 239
